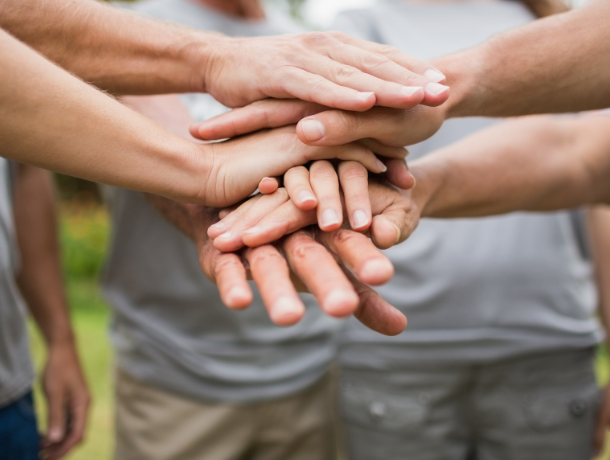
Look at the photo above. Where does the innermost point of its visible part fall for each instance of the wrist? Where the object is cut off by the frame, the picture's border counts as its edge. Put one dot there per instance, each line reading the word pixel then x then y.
pixel 464 76
pixel 429 180
pixel 203 57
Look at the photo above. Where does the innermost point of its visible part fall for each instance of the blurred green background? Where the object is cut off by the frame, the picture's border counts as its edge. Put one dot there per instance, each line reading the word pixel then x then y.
pixel 84 237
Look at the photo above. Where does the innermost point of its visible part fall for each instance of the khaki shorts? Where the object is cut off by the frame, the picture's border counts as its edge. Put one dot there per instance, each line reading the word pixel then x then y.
pixel 153 424
pixel 534 408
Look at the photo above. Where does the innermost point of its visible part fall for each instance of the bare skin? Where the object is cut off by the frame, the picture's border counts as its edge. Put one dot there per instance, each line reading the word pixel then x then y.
pixel 40 281
pixel 98 42
pixel 530 164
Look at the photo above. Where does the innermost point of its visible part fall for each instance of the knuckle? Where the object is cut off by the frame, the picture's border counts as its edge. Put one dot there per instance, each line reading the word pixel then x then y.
pixel 388 50
pixel 337 35
pixel 325 174
pixel 352 171
pixel 372 61
pixel 316 38
pixel 345 236
pixel 265 256
pixel 345 72
pixel 302 249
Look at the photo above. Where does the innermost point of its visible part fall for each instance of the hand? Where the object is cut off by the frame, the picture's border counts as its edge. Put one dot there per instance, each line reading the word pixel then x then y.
pixel 263 219
pixel 315 262
pixel 331 68
pixel 67 400
pixel 238 165
pixel 376 129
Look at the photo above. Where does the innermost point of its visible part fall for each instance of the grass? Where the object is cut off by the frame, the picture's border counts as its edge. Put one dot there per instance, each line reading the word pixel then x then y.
pixel 84 234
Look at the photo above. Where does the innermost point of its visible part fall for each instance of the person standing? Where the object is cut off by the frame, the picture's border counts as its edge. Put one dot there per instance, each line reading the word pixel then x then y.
pixel 497 361
pixel 30 278
pixel 195 379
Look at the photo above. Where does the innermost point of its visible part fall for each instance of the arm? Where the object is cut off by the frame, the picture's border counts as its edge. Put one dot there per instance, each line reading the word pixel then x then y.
pixel 555 64
pixel 530 164
pixel 128 54
pixel 70 127
pixel 599 231
pixel 41 284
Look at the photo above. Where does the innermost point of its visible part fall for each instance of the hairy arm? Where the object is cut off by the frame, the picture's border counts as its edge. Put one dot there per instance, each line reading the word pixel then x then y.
pixel 41 284
pixel 68 126
pixel 556 64
pixel 111 48
pixel 533 164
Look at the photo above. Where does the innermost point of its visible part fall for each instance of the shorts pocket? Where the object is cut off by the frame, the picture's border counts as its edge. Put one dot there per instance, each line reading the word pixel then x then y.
pixel 374 409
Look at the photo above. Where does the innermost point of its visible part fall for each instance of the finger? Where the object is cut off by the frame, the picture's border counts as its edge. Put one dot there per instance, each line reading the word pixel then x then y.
pixel 355 185
pixel 359 254
pixel 350 151
pixel 390 63
pixel 375 313
pixel 338 127
pixel 268 185
pixel 78 407
pixel 388 92
pixel 229 273
pixel 398 174
pixel 315 88
pixel 283 221
pixel 214 231
pixel 319 271
pixel 231 240
pixel 417 66
pixel 57 415
pixel 325 184
pixel 393 226
pixel 383 150
pixel 296 181
pixel 272 277
pixel 223 213
pixel 268 113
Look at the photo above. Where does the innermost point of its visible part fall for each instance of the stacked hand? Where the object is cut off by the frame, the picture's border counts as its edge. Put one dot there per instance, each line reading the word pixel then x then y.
pixel 316 172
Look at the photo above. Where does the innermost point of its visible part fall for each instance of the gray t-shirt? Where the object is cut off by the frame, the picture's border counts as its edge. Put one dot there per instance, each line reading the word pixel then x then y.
pixel 16 371
pixel 170 327
pixel 473 290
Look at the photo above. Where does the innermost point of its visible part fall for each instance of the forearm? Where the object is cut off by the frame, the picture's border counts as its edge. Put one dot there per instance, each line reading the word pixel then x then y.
pixel 556 64
pixel 40 279
pixel 114 49
pixel 68 126
pixel 530 164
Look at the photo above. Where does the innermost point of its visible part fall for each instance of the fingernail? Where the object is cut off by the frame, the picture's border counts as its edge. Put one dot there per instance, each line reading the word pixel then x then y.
pixel 434 75
pixel 329 218
pixel 285 309
pixel 313 130
pixel 397 234
pixel 435 89
pixel 360 219
pixel 341 303
pixel 383 168
pixel 255 229
pixel 411 90
pixel 220 226
pixel 305 196
pixel 54 434
pixel 364 96
pixel 236 297
pixel 224 236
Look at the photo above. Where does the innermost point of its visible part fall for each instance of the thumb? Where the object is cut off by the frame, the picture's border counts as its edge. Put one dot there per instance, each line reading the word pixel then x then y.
pixel 57 416
pixel 392 226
